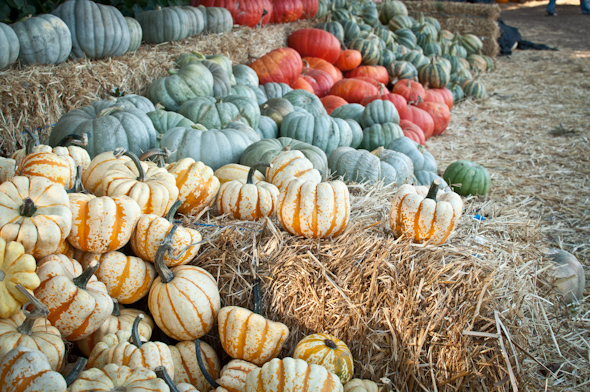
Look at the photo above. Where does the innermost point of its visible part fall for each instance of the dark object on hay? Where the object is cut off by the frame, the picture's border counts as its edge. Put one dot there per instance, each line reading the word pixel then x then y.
pixel 511 39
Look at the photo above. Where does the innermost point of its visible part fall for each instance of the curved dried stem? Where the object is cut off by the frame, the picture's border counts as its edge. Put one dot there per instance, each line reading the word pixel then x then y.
pixel 162 373
pixel 165 274
pixel 76 370
pixel 204 371
pixel 135 338
pixel 39 311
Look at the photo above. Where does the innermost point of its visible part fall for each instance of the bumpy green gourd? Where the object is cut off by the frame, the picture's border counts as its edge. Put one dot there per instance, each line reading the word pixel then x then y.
pixel 467 178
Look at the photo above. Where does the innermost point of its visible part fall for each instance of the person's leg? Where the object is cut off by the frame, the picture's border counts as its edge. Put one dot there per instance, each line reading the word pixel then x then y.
pixel 551 7
pixel 585 6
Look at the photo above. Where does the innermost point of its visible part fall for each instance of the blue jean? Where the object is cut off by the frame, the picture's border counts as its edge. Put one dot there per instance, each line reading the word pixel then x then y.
pixel 583 5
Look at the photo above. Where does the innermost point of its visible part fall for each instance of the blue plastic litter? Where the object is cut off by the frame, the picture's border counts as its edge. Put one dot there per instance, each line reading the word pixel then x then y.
pixel 479 217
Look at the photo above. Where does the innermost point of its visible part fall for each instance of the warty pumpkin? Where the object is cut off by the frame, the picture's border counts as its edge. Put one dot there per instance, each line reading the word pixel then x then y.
pixel 113 377
pixel 184 301
pixel 196 183
pixel 328 351
pixel 314 210
pixel 425 214
pixel 16 268
pixel 35 212
pixel 30 329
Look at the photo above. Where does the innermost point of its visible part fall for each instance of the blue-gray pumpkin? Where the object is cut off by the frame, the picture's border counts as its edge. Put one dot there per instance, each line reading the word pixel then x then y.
pixel 380 135
pixel 10 46
pixel 353 111
pixel 273 90
pixel 164 120
pixel 425 167
pixel 43 39
pixel 218 113
pixel 379 112
pixel 306 100
pixel 135 34
pixel 267 128
pixel 245 75
pixel 164 24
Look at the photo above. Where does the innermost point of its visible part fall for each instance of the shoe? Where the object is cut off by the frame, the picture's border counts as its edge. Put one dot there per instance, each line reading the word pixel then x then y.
pixel 551 14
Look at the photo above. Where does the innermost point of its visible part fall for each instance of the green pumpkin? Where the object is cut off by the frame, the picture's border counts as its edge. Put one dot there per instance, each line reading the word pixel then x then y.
pixel 416 58
pixel 387 57
pixel 379 112
pixel 434 74
pixel 219 20
pixel 219 59
pixel 267 149
pixel 267 128
pixel 341 15
pixel 370 14
pixel 10 48
pixel 107 128
pixel 218 113
pixel 369 49
pixel 471 43
pixel 334 28
pixel 474 89
pixel 191 81
pixel 457 92
pixel 306 100
pixel 477 62
pixel 467 178
pixel 97 30
pixel 245 75
pixel 196 20
pixel 391 9
pixel 364 166
pixel 276 109
pixel 431 48
pixel 322 9
pixel 214 147
pixel 405 37
pixel 353 111
pixel 351 30
pixel 401 69
pixel 322 131
pixel 135 34
pixel 164 24
pixel 490 66
pixel 380 135
pixel 400 22
pixel 164 120
pixel 43 39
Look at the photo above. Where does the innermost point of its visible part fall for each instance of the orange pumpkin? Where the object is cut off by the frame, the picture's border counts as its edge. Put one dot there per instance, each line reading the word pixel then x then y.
pixel 377 72
pixel 353 90
pixel 323 65
pixel 332 102
pixel 349 59
pixel 281 65
pixel 302 84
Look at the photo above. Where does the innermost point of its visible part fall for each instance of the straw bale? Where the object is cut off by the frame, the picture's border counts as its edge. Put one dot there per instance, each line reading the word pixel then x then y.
pixel 37 96
pixel 465 18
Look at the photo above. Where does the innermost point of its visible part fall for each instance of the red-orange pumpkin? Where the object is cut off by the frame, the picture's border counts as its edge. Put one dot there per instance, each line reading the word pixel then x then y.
pixel 412 131
pixel 349 59
pixel 440 114
pixel 421 118
pixel 281 65
pixel 318 63
pixel 315 43
pixel 332 102
pixel 440 95
pixel 377 72
pixel 409 89
pixel 244 12
pixel 302 84
pixel 353 90
pixel 320 81
pixel 310 8
pixel 285 11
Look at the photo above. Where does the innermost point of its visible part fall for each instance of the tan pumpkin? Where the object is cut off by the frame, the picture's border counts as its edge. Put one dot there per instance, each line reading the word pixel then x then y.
pixel 126 348
pixel 113 377
pixel 102 224
pixel 235 171
pixel 289 165
pixel 359 385
pixel 153 188
pixel 57 169
pixel 7 169
pixel 26 369
pixel 120 320
pixel 78 303
pixel 16 267
pixel 233 376
pixel 292 375
pixel 314 210
pixel 93 175
pixel 425 214
pixel 249 336
pixel 184 301
pixel 127 278
pixel 328 351
pixel 30 329
pixel 196 183
pixel 35 212
pixel 186 366
pixel 151 231
pixel 246 200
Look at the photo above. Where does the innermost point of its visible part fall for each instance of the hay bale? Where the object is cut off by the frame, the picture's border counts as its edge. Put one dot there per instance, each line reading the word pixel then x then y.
pixel 465 18
pixel 37 96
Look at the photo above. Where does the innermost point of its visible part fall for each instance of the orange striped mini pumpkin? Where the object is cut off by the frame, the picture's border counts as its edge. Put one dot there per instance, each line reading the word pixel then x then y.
pixel 197 185
pixel 233 376
pixel 186 367
pixel 328 351
pixel 289 165
pixel 57 169
pixel 93 175
pixel 235 171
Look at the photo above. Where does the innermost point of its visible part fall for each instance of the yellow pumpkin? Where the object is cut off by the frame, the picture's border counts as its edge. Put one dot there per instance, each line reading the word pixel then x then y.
pixel 245 200
pixel 184 301
pixel 186 366
pixel 120 320
pixel 358 385
pixel 93 175
pixel 126 348
pixel 102 224
pixel 328 351
pixel 78 303
pixel 35 212
pixel 151 231
pixel 153 188
pixel 249 336
pixel 314 210
pixel 292 375
pixel 235 171
pixel 113 377
pixel 16 267
pixel 30 329
pixel 196 183
pixel 289 165
pixel 422 214
pixel 233 376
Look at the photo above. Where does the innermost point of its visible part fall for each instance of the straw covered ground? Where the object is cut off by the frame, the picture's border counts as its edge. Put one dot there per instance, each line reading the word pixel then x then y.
pixel 477 313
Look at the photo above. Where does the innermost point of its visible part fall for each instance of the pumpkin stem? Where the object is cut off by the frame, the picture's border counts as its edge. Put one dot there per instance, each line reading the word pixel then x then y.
pixel 172 211
pixel 162 373
pixel 165 274
pixel 286 148
pixel 116 308
pixel 82 280
pixel 108 111
pixel 73 139
pixel 433 189
pixel 378 151
pixel 330 343
pixel 76 370
pixel 264 13
pixel 204 371
pixel 135 339
pixel 28 208
pixel 199 127
pixel 250 178
pixel 257 297
pixel 78 186
pixel 137 163
pixel 160 153
pixel 34 141
pixel 39 311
